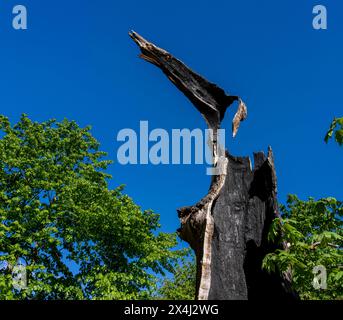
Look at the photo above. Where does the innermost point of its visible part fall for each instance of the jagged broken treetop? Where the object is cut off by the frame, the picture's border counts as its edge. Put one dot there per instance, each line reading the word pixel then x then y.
pixel 210 100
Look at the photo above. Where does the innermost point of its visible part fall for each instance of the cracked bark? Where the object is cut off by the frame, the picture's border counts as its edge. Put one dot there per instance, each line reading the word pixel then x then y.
pixel 228 228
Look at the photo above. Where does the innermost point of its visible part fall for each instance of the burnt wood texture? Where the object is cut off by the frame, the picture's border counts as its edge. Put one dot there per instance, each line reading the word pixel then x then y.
pixel 228 228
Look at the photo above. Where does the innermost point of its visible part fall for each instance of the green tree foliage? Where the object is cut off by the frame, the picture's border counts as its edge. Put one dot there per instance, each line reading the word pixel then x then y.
pixel 78 238
pixel 182 285
pixel 336 129
pixel 314 236
pixel 313 231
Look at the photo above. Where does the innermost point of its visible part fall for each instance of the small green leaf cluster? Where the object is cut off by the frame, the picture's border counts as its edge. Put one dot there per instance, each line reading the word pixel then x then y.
pixel 336 130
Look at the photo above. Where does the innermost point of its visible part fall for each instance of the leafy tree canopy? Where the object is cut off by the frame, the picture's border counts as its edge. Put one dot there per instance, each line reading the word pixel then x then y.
pixel 183 283
pixel 78 238
pixel 314 235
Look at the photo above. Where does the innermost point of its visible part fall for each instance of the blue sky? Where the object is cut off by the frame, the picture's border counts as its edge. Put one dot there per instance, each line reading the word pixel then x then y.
pixel 77 61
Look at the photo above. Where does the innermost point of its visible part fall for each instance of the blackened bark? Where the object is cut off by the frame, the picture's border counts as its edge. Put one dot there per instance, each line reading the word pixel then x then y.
pixel 242 216
pixel 228 228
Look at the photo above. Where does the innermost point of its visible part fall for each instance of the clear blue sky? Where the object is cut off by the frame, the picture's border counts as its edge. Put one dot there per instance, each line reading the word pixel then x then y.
pixel 77 61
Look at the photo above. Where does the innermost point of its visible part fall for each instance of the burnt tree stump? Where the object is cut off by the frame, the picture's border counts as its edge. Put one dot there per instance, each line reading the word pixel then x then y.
pixel 228 228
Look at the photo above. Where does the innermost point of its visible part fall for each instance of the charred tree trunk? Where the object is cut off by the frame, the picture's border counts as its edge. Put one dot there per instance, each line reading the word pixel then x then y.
pixel 228 228
pixel 229 233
